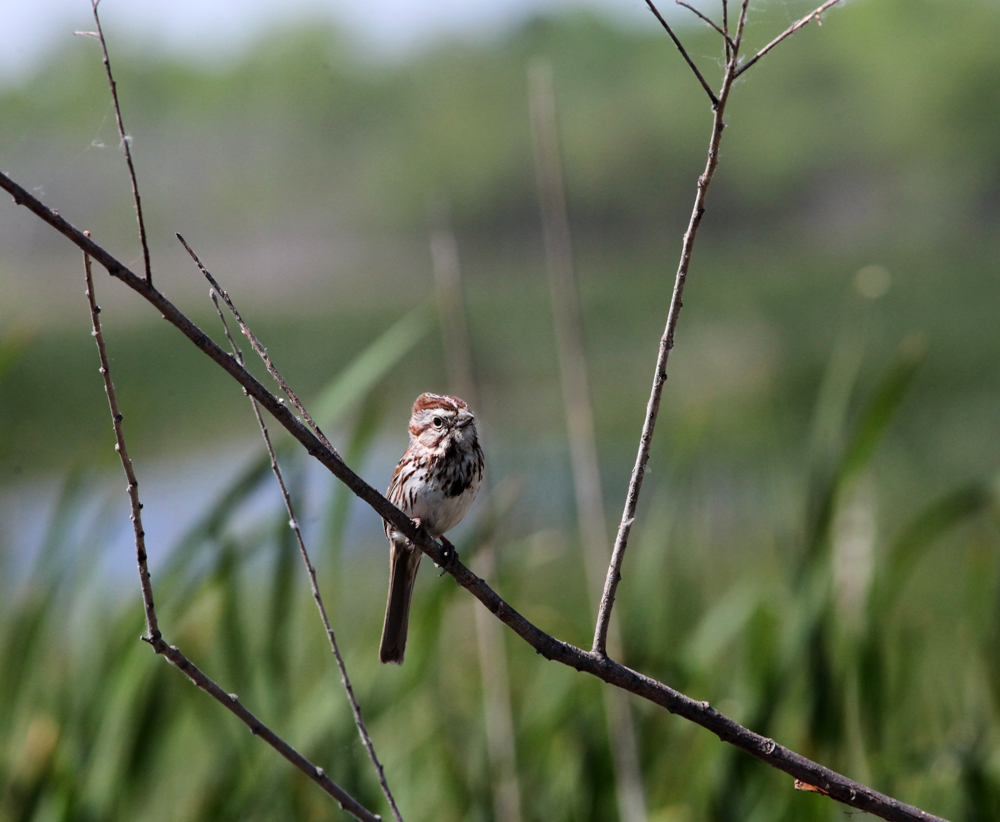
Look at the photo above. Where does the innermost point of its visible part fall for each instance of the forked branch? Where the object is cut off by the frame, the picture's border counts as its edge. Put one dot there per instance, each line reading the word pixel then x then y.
pixel 153 636
pixel 147 594
pixel 261 351
pixel 683 51
pixel 729 43
pixel 667 340
pixel 124 138
pixel 837 786
pixel 595 662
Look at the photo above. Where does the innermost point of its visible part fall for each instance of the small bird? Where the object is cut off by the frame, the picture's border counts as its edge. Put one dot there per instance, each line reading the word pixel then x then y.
pixel 434 484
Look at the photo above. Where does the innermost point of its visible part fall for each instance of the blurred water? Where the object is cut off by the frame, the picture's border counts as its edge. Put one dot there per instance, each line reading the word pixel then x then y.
pixel 178 493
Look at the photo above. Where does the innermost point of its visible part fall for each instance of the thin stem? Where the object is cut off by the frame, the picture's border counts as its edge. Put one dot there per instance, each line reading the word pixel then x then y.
pixel 261 351
pixel 708 20
pixel 660 374
pixel 125 141
pixel 152 628
pixel 838 787
pixel 153 635
pixel 258 728
pixel 739 30
pixel 293 522
pixel 680 48
pixel 813 15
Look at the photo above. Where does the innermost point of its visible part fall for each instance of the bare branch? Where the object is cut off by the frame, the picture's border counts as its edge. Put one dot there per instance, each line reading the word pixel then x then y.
pixel 152 629
pixel 667 340
pixel 261 351
pixel 660 374
pixel 739 28
pixel 837 786
pixel 730 45
pixel 258 728
pixel 125 140
pixel 293 522
pixel 813 15
pixel 153 635
pixel 690 62
pixel 709 20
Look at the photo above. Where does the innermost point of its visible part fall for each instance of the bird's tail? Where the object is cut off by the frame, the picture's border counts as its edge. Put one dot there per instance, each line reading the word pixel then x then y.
pixel 404 562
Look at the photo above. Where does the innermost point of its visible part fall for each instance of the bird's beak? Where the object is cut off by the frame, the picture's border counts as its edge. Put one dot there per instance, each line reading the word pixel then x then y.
pixel 464 418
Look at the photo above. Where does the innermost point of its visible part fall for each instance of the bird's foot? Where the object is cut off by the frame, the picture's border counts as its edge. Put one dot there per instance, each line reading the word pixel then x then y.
pixel 450 555
pixel 420 530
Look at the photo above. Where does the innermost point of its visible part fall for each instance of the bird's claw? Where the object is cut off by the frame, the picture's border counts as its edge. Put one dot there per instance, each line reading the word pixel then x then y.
pixel 450 554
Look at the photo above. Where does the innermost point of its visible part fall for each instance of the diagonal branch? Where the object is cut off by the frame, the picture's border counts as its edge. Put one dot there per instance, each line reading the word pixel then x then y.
pixel 813 15
pixel 257 728
pixel 261 351
pixel 709 20
pixel 680 48
pixel 153 636
pixel 293 521
pixel 838 787
pixel 125 141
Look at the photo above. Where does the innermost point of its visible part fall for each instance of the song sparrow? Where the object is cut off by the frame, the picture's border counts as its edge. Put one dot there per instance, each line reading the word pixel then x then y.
pixel 434 484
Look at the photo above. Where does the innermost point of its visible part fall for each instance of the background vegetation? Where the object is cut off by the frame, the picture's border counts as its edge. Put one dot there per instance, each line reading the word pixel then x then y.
pixel 817 549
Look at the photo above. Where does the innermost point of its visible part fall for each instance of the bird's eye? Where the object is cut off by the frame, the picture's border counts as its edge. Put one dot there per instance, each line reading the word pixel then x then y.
pixel 438 422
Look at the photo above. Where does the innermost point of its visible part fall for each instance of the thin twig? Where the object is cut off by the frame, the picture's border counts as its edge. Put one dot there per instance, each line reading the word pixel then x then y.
pixel 739 30
pixel 293 522
pixel 680 48
pixel 125 143
pixel 153 635
pixel 574 378
pixel 837 786
pixel 707 19
pixel 258 728
pixel 261 351
pixel 660 374
pixel 813 15
pixel 152 629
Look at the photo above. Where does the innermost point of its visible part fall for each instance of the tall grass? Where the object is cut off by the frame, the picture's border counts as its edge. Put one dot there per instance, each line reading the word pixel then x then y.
pixel 786 597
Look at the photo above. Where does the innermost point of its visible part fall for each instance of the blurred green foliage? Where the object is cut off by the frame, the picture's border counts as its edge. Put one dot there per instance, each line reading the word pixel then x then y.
pixel 816 551
pixel 841 642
